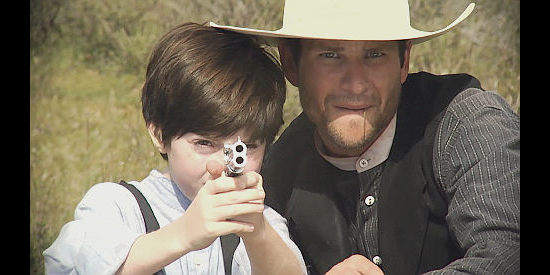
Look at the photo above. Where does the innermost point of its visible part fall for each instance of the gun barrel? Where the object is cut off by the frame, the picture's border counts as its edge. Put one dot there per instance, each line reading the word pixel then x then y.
pixel 235 157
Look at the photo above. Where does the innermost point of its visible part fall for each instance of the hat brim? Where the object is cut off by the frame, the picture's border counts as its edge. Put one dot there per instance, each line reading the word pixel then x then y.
pixel 417 36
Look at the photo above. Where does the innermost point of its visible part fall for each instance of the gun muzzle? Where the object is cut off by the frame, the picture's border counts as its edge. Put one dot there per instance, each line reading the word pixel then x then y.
pixel 235 157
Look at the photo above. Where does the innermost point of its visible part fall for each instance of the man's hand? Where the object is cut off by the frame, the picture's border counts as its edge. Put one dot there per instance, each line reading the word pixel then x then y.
pixel 355 264
pixel 222 206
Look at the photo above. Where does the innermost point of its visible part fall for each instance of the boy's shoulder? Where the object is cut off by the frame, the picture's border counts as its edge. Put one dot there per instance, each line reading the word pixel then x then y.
pixel 114 190
pixel 106 195
pixel 111 196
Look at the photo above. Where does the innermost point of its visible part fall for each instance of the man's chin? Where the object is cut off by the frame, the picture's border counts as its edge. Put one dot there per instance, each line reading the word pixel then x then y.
pixel 351 144
pixel 349 139
pixel 351 128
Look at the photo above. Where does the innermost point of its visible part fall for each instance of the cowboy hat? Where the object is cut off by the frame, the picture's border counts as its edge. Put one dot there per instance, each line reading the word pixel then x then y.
pixel 347 20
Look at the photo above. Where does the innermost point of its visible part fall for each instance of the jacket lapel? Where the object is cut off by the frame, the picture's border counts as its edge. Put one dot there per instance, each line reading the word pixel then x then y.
pixel 403 215
pixel 317 222
pixel 402 222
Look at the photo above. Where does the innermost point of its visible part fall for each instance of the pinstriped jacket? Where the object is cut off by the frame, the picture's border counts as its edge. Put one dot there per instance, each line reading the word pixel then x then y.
pixel 449 190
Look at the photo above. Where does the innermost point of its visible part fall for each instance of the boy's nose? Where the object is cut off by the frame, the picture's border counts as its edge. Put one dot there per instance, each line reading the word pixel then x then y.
pixel 215 167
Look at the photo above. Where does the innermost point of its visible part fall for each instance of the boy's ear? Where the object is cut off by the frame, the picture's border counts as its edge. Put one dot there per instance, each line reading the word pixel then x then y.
pixel 288 64
pixel 155 137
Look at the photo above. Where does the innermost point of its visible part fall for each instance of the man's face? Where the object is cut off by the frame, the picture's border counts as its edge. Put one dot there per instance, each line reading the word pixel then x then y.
pixel 349 89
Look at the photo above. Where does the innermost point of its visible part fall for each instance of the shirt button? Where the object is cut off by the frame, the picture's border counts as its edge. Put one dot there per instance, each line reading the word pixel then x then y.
pixel 369 200
pixel 377 260
pixel 363 163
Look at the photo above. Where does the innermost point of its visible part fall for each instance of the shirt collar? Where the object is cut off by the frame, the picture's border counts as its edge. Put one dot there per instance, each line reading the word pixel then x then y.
pixel 167 190
pixel 377 153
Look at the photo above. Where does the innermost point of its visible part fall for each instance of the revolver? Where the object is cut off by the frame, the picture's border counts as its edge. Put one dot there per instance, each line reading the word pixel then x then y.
pixel 234 156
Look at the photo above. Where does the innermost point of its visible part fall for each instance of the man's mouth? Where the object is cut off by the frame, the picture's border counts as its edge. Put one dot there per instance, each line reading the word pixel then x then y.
pixel 360 108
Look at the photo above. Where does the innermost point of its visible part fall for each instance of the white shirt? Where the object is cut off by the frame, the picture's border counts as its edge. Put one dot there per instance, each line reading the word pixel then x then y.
pixel 108 220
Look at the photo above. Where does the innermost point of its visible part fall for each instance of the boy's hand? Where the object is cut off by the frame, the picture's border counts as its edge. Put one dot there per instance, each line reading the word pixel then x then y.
pixel 255 218
pixel 222 206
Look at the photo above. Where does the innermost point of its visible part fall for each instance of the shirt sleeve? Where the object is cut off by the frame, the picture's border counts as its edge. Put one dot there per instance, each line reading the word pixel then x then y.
pixel 477 162
pixel 241 263
pixel 106 224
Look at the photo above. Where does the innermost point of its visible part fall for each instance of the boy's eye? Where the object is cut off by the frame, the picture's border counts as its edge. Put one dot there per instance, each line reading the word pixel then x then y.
pixel 251 145
pixel 205 146
pixel 203 142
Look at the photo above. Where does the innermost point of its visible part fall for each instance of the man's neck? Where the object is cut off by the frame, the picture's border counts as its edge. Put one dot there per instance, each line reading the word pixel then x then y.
pixel 375 153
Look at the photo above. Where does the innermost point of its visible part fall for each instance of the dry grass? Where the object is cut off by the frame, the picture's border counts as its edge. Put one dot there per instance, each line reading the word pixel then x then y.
pixel 87 65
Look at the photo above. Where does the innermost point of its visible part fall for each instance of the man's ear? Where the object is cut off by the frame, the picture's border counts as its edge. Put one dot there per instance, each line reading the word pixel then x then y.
pixel 406 59
pixel 289 66
pixel 156 135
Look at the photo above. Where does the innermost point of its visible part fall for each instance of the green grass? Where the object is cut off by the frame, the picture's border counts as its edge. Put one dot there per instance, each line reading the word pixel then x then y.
pixel 87 63
pixel 86 127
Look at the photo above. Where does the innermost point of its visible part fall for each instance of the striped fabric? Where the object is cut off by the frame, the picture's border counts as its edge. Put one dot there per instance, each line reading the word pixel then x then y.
pixel 477 162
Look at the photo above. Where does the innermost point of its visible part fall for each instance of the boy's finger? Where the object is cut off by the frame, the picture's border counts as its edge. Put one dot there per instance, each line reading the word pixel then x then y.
pixel 230 211
pixel 251 179
pixel 253 195
pixel 226 184
pixel 233 226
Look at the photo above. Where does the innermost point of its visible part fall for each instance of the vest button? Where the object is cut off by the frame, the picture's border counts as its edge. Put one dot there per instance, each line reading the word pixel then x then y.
pixel 369 200
pixel 377 260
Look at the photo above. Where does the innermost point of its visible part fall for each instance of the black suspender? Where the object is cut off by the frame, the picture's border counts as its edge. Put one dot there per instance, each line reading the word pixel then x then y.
pixel 151 223
pixel 229 242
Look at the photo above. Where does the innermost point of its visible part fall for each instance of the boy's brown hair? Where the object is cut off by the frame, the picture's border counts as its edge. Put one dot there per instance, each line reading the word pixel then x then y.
pixel 212 82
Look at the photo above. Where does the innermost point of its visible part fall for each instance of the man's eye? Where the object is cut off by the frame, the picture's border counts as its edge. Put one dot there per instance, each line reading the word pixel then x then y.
pixel 329 55
pixel 374 54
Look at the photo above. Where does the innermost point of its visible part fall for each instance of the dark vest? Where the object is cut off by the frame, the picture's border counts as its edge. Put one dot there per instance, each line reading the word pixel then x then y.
pixel 413 235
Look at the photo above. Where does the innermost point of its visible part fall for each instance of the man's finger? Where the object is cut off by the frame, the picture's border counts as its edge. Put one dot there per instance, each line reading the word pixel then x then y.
pixel 355 264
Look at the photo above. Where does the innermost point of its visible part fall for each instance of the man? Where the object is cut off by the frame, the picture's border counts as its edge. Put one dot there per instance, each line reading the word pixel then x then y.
pixel 387 171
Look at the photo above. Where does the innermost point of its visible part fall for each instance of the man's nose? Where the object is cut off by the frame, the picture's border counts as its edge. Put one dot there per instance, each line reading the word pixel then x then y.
pixel 355 78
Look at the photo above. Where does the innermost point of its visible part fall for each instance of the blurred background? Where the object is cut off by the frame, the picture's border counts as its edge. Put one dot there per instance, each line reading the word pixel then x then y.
pixel 87 67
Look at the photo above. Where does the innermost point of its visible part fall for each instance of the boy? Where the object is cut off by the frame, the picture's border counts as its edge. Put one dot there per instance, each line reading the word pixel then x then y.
pixel 204 88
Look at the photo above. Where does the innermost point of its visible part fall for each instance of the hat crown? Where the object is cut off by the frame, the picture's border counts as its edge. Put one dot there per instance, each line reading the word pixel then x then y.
pixel 331 15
